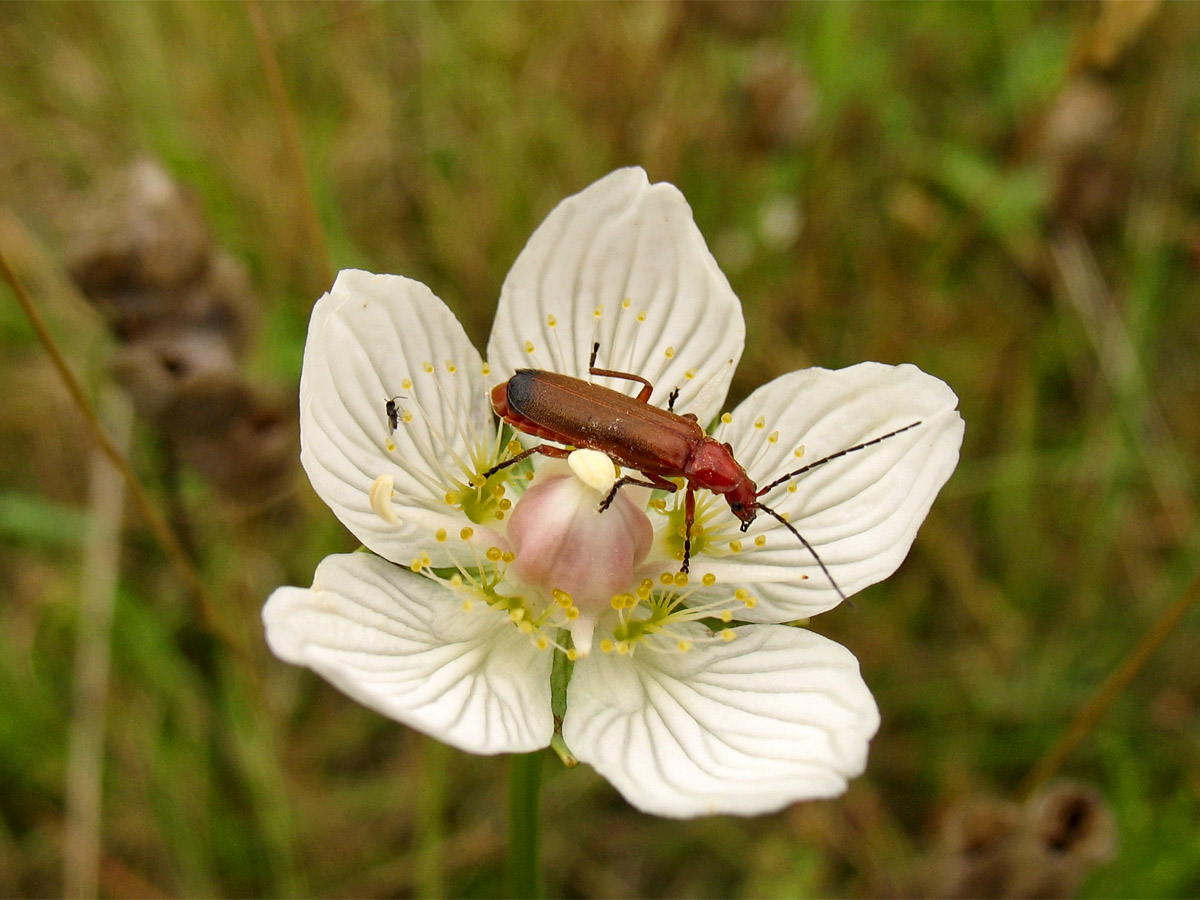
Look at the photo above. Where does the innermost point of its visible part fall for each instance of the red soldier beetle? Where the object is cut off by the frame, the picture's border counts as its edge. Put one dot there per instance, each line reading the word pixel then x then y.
pixel 658 443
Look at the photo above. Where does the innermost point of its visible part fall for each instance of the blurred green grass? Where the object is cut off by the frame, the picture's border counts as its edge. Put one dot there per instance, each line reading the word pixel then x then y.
pixel 879 181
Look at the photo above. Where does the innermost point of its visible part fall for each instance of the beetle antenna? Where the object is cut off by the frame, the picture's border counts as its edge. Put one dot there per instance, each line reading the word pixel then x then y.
pixel 807 546
pixel 820 462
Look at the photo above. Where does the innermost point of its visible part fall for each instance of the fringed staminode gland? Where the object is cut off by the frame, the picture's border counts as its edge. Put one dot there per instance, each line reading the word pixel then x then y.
pixel 651 614
pixel 482 583
pixel 456 478
pixel 715 531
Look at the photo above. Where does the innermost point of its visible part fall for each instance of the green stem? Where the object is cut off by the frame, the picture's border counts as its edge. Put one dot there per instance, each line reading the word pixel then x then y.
pixel 431 793
pixel 524 875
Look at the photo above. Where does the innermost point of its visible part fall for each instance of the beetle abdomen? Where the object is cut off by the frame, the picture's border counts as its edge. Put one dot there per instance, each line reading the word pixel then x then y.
pixel 570 411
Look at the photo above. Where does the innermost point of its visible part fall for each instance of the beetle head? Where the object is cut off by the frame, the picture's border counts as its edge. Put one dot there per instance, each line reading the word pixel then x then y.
pixel 713 467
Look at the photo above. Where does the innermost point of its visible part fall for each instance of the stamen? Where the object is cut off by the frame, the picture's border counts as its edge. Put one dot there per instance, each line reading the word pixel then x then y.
pixel 380 496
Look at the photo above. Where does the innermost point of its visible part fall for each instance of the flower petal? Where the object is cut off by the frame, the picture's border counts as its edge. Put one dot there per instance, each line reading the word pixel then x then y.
pixel 622 263
pixel 746 727
pixel 860 512
pixel 369 337
pixel 404 646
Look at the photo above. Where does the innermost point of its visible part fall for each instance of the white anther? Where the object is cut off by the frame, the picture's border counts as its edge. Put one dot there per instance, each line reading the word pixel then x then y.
pixel 381 499
pixel 594 469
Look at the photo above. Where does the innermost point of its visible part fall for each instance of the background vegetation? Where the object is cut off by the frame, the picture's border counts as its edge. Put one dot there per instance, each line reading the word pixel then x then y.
pixel 1007 195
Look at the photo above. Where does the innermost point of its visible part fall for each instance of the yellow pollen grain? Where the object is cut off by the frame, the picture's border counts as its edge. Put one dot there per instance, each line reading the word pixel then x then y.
pixel 497 490
pixel 391 446
pixel 735 546
pixel 666 578
pixel 428 367
pixel 728 635
pixel 598 311
pixel 623 648
pixel 468 605
pixel 641 317
pixel 542 643
pixel 505 504
pixel 516 615
pixel 799 452
pixel 617 601
pixel 495 554
pixel 741 594
pixel 681 579
pixel 606 646
pixel 456 580
pixel 751 602
pixel 426 559
pixel 572 614
pixel 658 503
pixel 726 615
pixel 485 369
pixel 529 476
pixel 406 417
pixel 451 498
pixel 760 422
pixel 572 654
pixel 561 597
pixel 529 346
pixel 513 446
pixel 440 535
pixel 773 437
pixel 684 646
pixel 508 557
pixel 689 374
pixel 760 540
pixel 626 303
pixel 415 565
pixel 551 321
pixel 499 515
pixel 525 627
pixel 406 384
pixel 647 585
pixel 709 579
pixel 669 353
pixel 791 488
pixel 466 534
pixel 451 367
pixel 726 418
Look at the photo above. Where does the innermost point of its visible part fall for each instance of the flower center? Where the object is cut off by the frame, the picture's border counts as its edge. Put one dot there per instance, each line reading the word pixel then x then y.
pixel 564 543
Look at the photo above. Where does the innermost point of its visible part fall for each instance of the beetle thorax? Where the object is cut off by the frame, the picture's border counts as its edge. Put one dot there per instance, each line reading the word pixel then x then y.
pixel 712 467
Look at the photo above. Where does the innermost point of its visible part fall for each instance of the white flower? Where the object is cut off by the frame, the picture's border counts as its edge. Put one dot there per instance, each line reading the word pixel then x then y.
pixel 452 621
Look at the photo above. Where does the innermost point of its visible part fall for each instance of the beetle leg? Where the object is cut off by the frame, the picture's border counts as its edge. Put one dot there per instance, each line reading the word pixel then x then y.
pixel 689 516
pixel 643 394
pixel 544 449
pixel 652 481
pixel 671 398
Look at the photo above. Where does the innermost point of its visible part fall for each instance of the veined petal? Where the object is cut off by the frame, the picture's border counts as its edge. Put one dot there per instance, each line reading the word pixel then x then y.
pixel 622 263
pixel 378 337
pixel 403 645
pixel 860 512
pixel 746 727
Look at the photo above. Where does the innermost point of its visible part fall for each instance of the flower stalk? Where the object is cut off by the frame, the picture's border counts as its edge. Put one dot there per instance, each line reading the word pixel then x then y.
pixel 523 876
